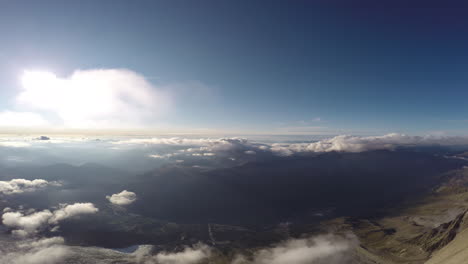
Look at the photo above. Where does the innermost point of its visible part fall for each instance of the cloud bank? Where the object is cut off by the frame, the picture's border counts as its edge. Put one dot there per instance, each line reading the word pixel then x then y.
pixel 148 153
pixel 123 198
pixel 323 249
pixel 343 143
pixel 26 224
pixel 190 255
pixel 16 186
pixel 34 251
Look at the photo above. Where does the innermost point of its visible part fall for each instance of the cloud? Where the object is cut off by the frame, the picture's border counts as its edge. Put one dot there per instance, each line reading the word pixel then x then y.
pixel 99 98
pixel 202 146
pixel 210 152
pixel 26 224
pixel 35 251
pixel 322 249
pixel 345 143
pixel 70 210
pixel 14 144
pixel 173 141
pixel 198 147
pixel 190 255
pixel 21 185
pixel 123 198
pixel 164 156
pixel 21 119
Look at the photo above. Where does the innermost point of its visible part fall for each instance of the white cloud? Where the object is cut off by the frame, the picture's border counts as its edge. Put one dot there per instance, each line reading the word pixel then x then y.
pixel 14 144
pixel 21 185
pixel 123 198
pixel 329 249
pixel 198 146
pixel 101 98
pixel 345 143
pixel 187 256
pixel 35 251
pixel 30 223
pixel 190 255
pixel 21 119
pixel 163 156
pixel 70 210
pixel 171 141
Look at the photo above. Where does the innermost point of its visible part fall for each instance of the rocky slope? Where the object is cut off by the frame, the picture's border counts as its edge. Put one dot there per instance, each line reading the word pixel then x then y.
pixel 432 229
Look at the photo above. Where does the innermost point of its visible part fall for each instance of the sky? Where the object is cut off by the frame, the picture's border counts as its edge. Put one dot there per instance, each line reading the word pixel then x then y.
pixel 245 67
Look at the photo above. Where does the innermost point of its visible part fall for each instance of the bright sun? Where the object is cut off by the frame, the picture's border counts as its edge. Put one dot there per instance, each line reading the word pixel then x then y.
pixel 92 98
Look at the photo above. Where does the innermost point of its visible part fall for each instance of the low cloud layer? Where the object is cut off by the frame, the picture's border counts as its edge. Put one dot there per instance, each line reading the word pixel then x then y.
pixel 34 251
pixel 323 249
pixel 190 255
pixel 147 153
pixel 123 198
pixel 198 146
pixel 343 143
pixel 29 223
pixel 16 186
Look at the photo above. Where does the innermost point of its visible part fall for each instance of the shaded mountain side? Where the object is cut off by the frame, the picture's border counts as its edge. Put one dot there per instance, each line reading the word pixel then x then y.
pixel 432 229
pixel 295 189
pixel 442 235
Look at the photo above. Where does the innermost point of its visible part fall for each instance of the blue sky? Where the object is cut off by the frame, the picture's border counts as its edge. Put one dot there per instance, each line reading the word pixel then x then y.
pixel 256 66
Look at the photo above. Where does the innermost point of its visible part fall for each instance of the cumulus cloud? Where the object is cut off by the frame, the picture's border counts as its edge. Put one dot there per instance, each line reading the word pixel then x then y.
pixel 322 249
pixel 27 223
pixel 21 185
pixel 190 255
pixel 123 198
pixel 100 98
pixel 70 210
pixel 35 251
